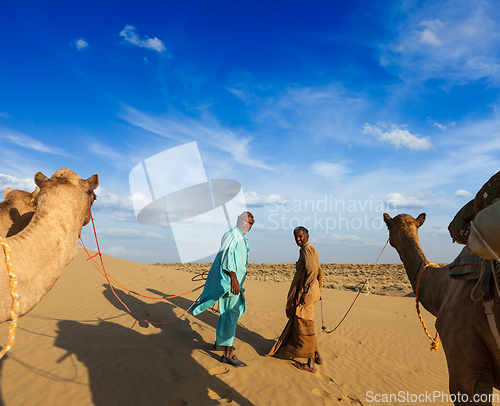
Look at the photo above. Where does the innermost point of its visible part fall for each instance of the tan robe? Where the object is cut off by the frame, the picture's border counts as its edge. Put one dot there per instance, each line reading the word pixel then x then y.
pixel 298 338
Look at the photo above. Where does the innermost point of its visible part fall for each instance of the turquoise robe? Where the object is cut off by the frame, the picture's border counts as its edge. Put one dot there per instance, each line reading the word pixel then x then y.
pixel 232 257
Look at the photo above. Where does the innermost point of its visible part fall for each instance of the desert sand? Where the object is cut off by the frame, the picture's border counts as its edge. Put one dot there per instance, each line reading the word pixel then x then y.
pixel 79 346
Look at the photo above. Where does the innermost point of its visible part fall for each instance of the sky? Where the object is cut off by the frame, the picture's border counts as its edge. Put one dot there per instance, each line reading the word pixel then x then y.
pixel 327 113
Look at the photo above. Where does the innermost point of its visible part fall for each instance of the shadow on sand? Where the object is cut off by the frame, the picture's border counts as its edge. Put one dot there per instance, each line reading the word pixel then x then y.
pixel 157 368
pixel 260 344
pixel 1 365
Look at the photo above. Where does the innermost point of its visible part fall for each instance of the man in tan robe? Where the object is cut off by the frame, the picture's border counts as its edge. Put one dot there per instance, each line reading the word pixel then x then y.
pixel 298 338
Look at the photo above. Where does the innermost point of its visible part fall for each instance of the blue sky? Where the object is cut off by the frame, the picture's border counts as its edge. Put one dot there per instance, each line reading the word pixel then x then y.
pixel 328 113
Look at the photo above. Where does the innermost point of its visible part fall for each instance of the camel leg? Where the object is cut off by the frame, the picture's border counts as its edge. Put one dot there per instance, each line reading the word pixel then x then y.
pixel 474 393
pixel 470 370
pixel 470 365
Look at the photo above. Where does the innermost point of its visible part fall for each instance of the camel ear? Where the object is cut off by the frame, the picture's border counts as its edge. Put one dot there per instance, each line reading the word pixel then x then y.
pixel 93 181
pixel 420 219
pixel 387 218
pixel 34 196
pixel 40 178
pixel 7 191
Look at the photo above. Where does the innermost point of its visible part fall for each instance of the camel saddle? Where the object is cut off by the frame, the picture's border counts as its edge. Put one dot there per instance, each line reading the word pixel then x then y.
pixel 467 266
pixel 459 227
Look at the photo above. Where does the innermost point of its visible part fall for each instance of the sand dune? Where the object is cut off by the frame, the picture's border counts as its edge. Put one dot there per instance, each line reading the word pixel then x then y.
pixel 79 347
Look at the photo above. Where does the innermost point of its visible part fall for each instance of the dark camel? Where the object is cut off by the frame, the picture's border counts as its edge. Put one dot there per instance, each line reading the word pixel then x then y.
pixel 472 355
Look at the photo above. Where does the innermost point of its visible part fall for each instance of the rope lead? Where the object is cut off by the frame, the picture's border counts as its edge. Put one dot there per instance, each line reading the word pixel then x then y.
pixel 15 298
pixel 354 301
pixel 435 340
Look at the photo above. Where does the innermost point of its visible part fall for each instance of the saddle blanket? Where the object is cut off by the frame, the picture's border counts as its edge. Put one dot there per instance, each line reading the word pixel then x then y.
pixel 467 266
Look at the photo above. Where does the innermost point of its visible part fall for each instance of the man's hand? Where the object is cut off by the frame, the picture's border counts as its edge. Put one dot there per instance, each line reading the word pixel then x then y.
pixel 303 299
pixel 235 285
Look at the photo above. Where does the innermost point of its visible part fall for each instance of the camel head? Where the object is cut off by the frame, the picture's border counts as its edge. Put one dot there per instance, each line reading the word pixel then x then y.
pixel 28 199
pixel 403 228
pixel 76 190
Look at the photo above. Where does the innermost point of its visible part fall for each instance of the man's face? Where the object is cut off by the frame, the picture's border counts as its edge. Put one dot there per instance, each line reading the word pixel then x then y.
pixel 245 224
pixel 300 238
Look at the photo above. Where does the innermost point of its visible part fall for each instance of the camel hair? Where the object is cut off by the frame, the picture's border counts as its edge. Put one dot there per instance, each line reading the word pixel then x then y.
pixel 16 211
pixel 472 355
pixel 50 240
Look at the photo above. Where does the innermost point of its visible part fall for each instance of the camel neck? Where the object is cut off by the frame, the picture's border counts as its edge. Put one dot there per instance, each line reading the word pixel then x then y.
pixel 413 259
pixel 43 248
pixel 433 283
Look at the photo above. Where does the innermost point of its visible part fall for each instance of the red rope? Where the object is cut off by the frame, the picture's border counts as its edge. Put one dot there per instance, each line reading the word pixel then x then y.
pixel 107 276
pixel 194 279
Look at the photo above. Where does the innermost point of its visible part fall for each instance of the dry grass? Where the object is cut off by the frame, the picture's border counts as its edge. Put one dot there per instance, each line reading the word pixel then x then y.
pixel 383 279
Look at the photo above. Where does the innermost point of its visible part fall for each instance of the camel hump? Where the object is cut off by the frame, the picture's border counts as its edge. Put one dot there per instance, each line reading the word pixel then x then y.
pixel 6 193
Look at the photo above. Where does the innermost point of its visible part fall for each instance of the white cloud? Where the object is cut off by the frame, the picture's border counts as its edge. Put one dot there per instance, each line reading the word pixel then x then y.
pixel 244 95
pixel 117 208
pixel 127 233
pixel 120 251
pixel 253 199
pixel 27 142
pixel 329 170
pixel 107 200
pixel 319 112
pixel 129 34
pixel 463 193
pixel 438 231
pixel 397 200
pixel 428 37
pixel 81 44
pixel 346 239
pixel 6 181
pixel 449 40
pixel 399 137
pixel 204 129
pixel 440 126
pixel 121 161
pixel 122 216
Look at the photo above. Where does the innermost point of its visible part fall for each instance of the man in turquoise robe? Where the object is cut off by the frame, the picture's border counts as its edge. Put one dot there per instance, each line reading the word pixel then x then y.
pixel 225 285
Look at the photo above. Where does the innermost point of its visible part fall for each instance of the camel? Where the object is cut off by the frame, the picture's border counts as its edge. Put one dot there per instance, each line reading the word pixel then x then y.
pixel 50 240
pixel 472 355
pixel 16 211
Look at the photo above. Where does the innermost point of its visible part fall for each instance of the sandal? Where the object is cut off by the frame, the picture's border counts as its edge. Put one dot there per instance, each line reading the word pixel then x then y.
pixel 318 360
pixel 304 367
pixel 232 361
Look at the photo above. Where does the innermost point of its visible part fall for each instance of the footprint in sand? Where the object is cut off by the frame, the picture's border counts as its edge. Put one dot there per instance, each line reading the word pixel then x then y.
pixel 352 401
pixel 324 394
pixel 324 377
pixel 216 393
pixel 221 369
pixel 344 400
pixel 170 376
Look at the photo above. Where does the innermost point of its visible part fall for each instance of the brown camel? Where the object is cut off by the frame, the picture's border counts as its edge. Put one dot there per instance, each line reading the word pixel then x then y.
pixel 472 355
pixel 16 211
pixel 49 242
